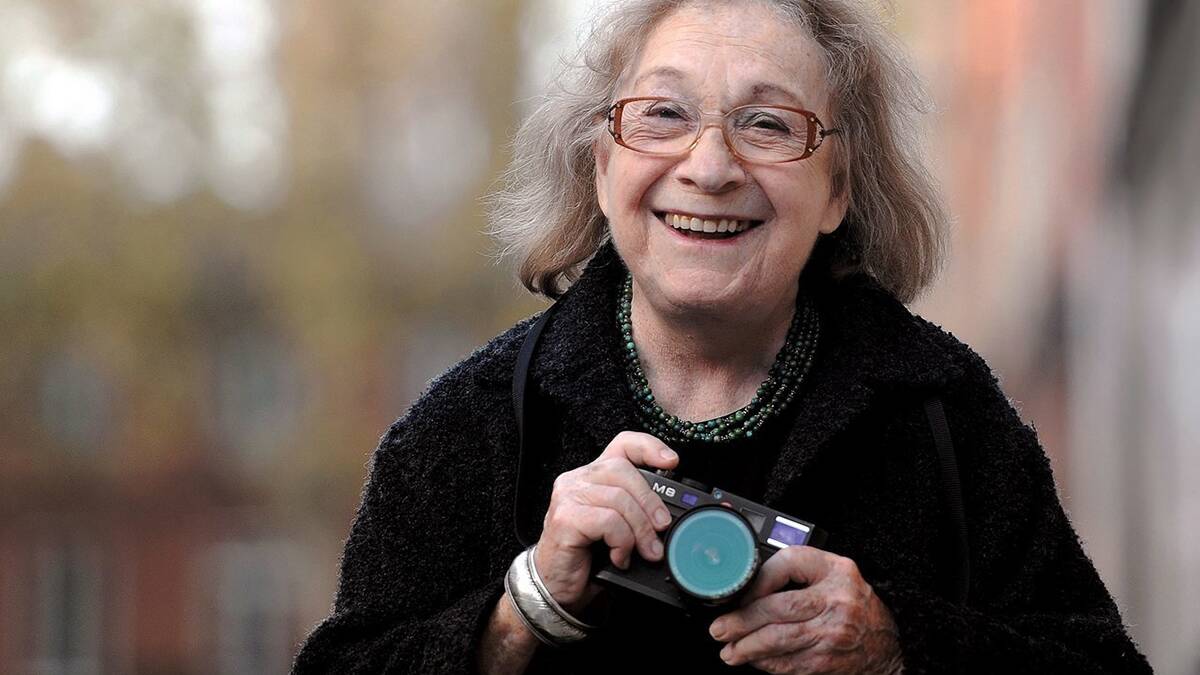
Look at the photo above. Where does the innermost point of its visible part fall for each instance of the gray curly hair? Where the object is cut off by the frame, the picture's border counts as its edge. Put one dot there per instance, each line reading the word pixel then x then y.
pixel 546 213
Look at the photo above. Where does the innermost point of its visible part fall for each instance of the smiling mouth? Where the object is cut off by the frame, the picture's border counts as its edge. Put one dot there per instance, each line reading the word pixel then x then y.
pixel 702 228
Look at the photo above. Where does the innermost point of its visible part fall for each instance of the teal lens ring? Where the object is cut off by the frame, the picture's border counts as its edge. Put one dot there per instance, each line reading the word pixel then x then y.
pixel 711 553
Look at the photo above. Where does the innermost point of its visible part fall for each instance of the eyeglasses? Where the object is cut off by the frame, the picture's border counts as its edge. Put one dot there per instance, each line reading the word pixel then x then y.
pixel 766 134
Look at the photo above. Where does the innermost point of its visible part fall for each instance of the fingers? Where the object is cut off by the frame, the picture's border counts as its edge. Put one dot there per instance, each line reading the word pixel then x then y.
pixel 564 558
pixel 633 516
pixel 803 565
pixel 607 500
pixel 603 524
pixel 614 487
pixel 615 468
pixel 778 608
pixel 641 450
pixel 772 640
pixel 775 630
pixel 830 621
pixel 621 474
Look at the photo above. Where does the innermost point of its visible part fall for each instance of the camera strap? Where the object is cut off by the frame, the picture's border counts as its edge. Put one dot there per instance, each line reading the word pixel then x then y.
pixel 934 411
pixel 521 401
pixel 952 491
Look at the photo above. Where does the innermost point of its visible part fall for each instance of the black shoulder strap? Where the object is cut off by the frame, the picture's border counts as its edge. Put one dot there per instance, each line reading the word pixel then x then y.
pixel 520 381
pixel 952 490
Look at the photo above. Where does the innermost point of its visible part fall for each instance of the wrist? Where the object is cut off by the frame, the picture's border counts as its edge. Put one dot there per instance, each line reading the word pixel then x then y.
pixel 507 646
pixel 541 557
pixel 537 608
pixel 516 634
pixel 578 603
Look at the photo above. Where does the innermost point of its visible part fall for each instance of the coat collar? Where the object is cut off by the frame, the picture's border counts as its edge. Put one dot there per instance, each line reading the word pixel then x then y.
pixel 869 343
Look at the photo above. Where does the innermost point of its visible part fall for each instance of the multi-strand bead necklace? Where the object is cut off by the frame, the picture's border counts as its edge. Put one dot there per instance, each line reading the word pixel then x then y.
pixel 773 395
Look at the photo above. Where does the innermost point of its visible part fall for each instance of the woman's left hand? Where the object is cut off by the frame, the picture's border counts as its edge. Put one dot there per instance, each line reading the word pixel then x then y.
pixel 835 624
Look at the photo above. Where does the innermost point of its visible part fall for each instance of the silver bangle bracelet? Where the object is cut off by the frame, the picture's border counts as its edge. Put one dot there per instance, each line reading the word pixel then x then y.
pixel 538 610
pixel 549 598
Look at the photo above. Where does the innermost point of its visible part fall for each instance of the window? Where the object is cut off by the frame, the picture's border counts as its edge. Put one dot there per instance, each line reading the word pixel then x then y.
pixel 67 610
pixel 258 396
pixel 75 403
pixel 253 607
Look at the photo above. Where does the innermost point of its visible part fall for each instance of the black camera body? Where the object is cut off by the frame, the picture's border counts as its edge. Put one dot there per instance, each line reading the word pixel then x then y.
pixel 712 549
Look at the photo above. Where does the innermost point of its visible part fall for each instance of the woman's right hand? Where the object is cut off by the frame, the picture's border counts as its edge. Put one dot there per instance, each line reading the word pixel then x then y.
pixel 606 500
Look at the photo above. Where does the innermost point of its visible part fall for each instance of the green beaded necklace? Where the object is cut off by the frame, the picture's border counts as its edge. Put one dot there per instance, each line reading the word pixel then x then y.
pixel 773 396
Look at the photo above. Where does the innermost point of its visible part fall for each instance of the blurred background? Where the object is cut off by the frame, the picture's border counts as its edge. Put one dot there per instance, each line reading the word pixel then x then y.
pixel 237 237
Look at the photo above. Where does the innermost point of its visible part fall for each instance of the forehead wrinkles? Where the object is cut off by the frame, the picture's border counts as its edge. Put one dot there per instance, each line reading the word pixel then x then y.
pixel 784 54
pixel 699 37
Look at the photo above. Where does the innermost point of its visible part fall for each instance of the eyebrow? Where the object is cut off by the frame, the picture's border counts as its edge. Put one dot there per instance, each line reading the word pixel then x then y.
pixel 757 90
pixel 761 89
pixel 663 72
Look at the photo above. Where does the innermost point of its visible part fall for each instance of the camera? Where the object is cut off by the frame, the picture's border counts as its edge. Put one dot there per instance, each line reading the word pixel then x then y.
pixel 712 549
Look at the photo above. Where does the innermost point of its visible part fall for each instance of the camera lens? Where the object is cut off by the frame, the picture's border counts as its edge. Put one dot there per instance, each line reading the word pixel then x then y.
pixel 711 553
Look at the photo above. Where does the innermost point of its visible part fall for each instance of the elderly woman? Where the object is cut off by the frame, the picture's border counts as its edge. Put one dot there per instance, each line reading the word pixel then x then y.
pixel 728 191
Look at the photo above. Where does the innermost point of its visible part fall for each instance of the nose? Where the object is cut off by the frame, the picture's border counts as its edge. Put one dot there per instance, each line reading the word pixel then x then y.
pixel 711 165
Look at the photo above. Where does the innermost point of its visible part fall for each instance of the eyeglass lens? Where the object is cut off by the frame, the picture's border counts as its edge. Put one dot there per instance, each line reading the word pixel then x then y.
pixel 757 133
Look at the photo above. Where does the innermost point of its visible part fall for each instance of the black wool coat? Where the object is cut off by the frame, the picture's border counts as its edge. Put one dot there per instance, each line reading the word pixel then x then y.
pixel 433 537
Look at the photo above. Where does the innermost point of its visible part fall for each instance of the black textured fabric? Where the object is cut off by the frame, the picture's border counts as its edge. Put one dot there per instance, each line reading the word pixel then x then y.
pixel 424 563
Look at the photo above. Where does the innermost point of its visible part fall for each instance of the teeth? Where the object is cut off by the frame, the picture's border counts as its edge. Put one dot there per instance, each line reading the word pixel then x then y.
pixel 698 225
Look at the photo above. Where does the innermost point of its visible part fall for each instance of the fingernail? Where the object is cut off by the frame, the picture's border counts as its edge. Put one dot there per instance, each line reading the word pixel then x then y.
pixel 668 454
pixel 662 518
pixel 727 653
pixel 717 629
pixel 656 548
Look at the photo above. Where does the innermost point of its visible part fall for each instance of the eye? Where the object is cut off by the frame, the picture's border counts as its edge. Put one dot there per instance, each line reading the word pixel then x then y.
pixel 667 110
pixel 761 120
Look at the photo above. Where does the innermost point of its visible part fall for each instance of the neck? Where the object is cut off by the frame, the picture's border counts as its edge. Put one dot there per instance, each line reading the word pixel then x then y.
pixel 702 365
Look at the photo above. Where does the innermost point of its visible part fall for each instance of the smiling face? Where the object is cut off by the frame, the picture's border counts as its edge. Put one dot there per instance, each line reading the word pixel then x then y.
pixel 719 58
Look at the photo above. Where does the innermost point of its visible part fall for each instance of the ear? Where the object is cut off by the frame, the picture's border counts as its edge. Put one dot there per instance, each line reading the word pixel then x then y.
pixel 835 213
pixel 601 152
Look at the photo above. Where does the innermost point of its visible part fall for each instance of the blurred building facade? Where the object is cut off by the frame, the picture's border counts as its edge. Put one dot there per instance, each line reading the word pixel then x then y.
pixel 1135 285
pixel 237 237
